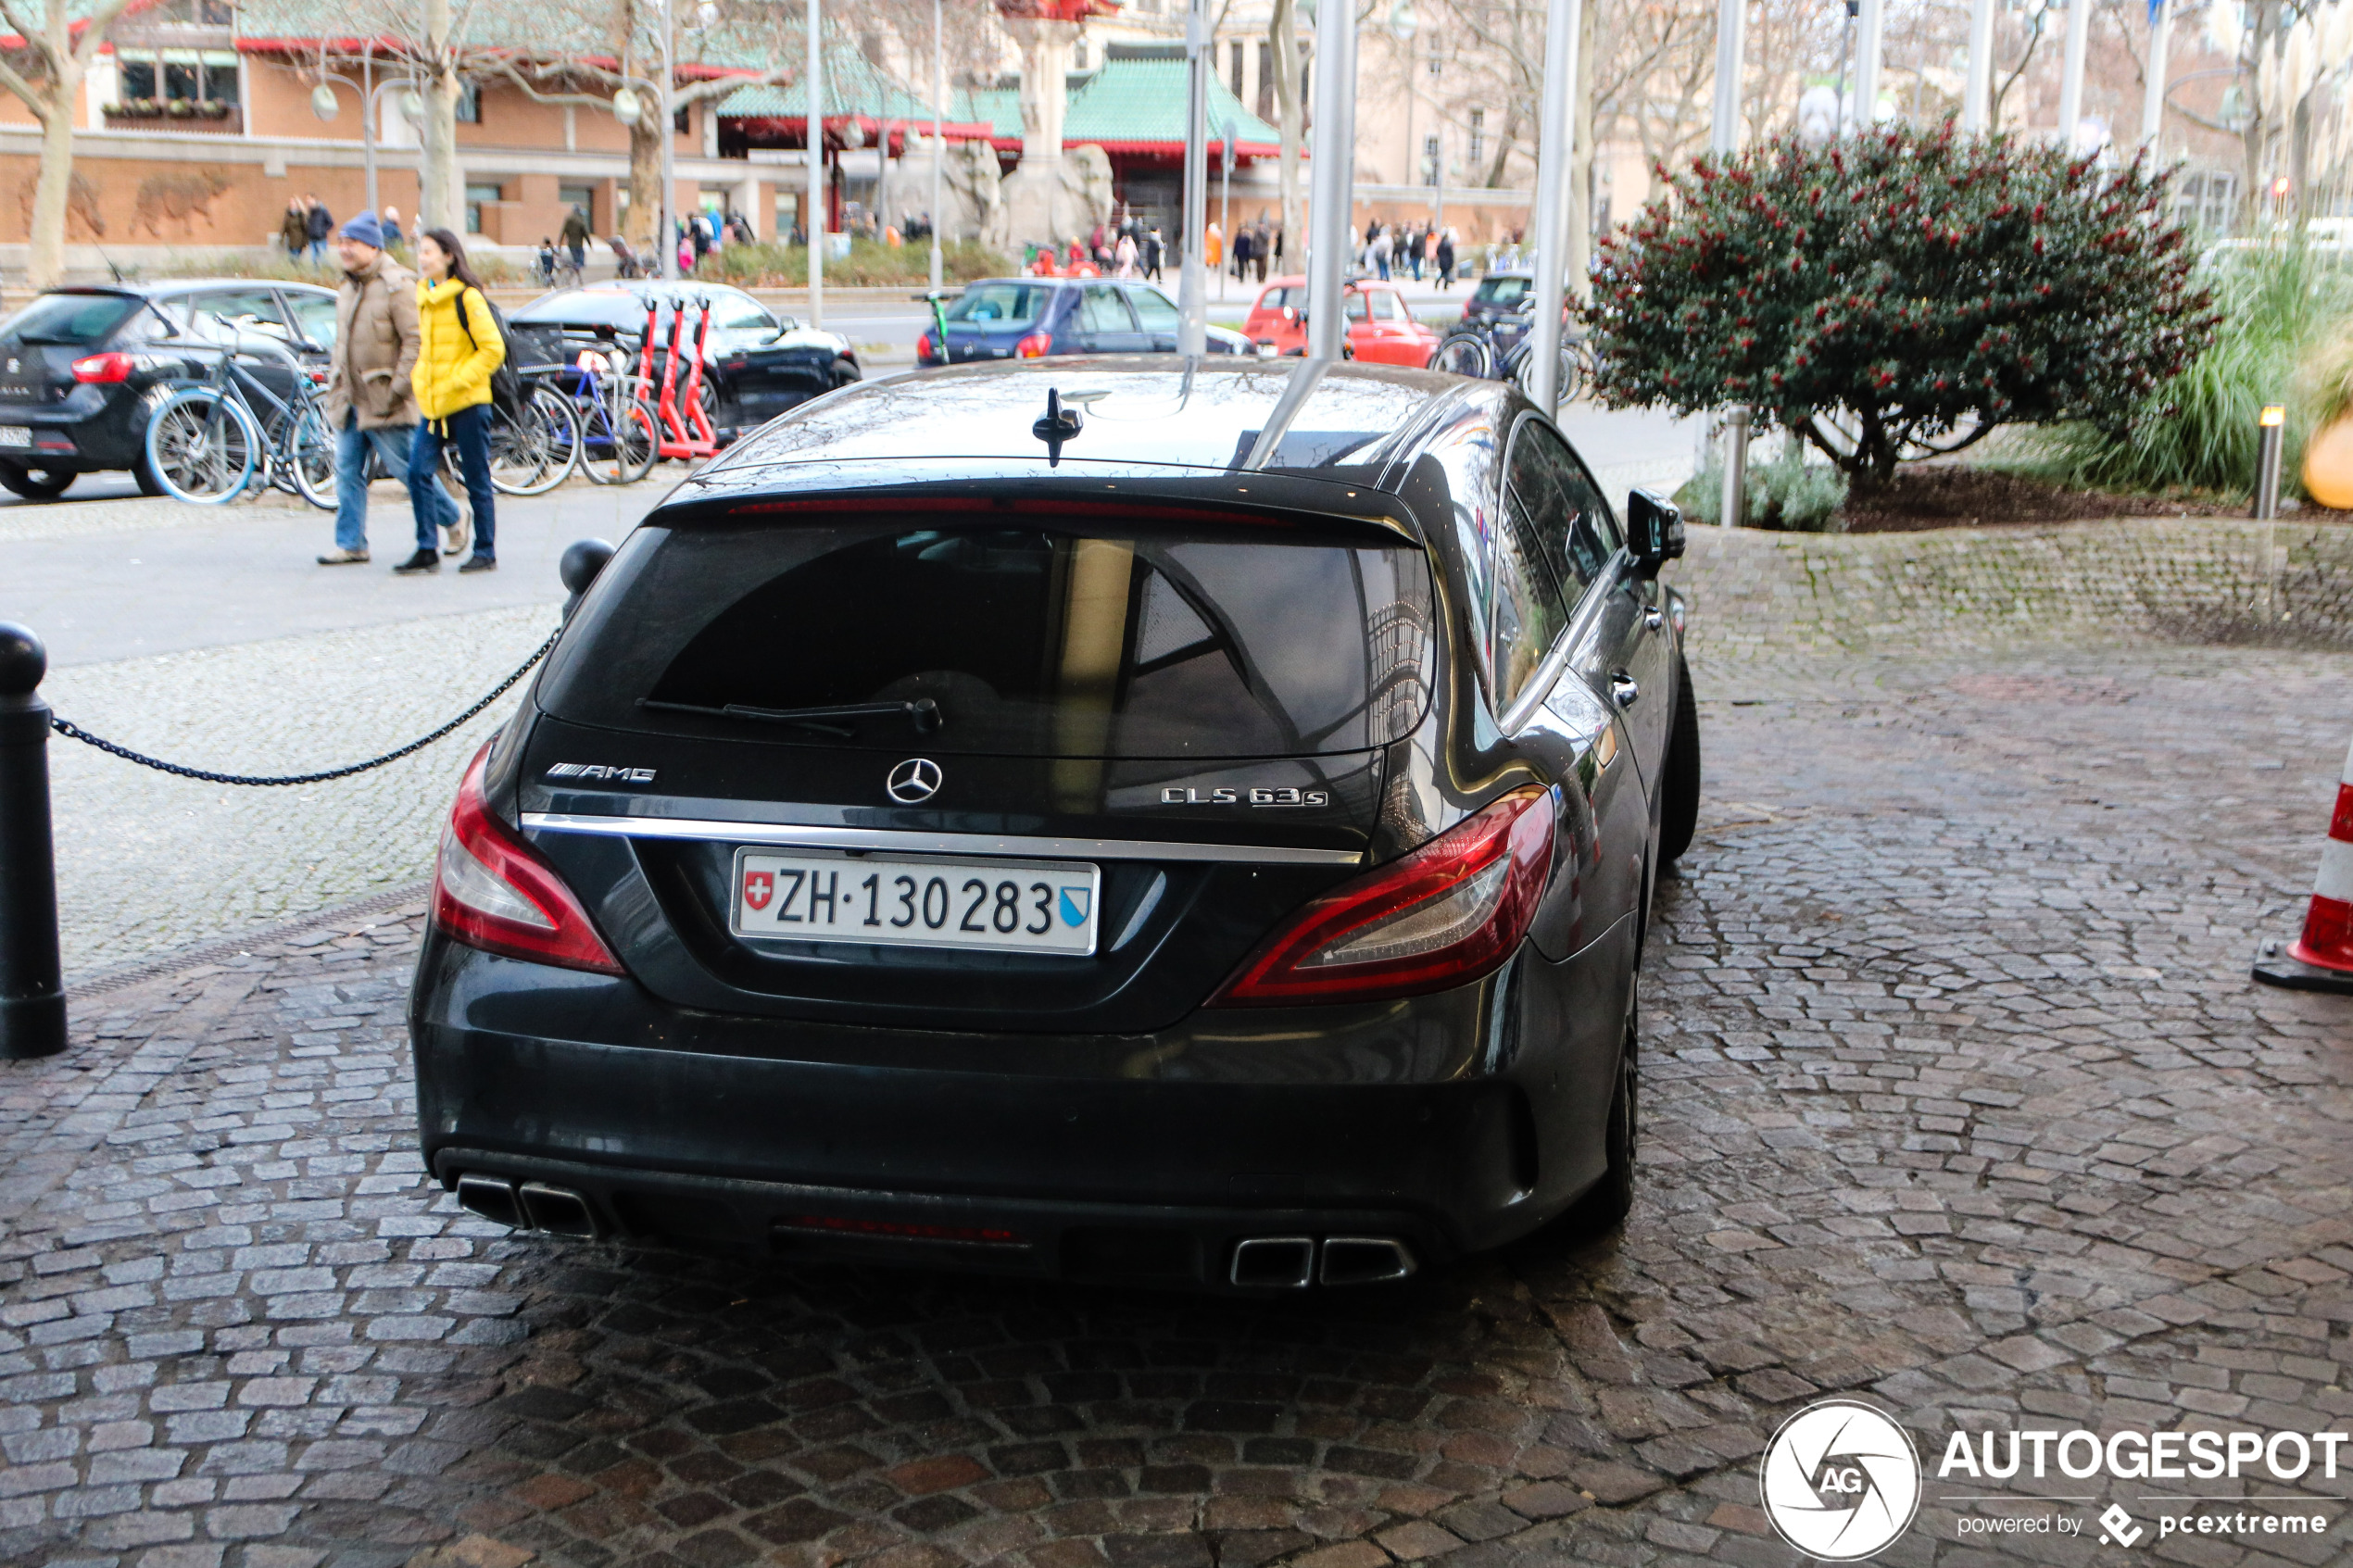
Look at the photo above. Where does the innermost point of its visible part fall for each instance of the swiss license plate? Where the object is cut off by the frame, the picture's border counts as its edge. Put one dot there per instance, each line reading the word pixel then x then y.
pixel 16 436
pixel 909 901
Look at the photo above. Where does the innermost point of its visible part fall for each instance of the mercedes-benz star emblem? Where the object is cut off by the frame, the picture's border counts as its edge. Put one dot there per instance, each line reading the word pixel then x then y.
pixel 915 779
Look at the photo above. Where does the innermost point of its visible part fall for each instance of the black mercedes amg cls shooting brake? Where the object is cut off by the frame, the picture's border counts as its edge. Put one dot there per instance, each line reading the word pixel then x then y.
pixel 1103 818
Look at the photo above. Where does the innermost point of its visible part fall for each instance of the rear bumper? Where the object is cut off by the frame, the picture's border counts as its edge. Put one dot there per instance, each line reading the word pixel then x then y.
pixel 1144 1156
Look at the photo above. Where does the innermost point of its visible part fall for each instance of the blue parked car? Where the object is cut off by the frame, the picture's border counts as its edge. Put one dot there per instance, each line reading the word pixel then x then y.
pixel 1031 318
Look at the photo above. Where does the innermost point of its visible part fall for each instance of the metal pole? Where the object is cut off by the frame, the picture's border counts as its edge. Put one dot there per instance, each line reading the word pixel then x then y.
pixel 1735 467
pixel 1846 49
pixel 1192 283
pixel 1225 209
pixel 2267 461
pixel 1724 128
pixel 938 145
pixel 33 997
pixel 817 224
pixel 669 202
pixel 1723 140
pixel 1557 125
pixel 1332 190
pixel 2153 103
pixel 1869 30
pixel 1977 93
pixel 2079 33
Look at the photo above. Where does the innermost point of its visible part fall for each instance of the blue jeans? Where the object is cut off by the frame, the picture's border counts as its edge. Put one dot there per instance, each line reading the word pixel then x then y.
pixel 392 443
pixel 469 430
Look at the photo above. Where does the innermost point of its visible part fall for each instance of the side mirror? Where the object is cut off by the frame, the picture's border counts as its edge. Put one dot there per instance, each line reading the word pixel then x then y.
pixel 1654 531
pixel 579 567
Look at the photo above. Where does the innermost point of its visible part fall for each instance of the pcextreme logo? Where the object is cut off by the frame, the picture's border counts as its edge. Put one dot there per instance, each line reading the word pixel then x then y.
pixel 1840 1480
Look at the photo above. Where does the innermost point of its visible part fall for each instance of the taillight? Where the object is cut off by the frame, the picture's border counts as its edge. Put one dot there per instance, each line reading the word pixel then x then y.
pixel 923 348
pixel 102 368
pixel 1443 916
pixel 492 891
pixel 1037 345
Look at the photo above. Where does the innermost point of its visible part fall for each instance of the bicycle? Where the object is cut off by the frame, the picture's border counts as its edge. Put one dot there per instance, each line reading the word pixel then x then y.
pixel 206 441
pixel 534 446
pixel 1475 351
pixel 619 439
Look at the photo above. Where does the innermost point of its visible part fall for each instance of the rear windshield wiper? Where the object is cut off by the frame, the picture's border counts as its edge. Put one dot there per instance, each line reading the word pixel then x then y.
pixel 923 713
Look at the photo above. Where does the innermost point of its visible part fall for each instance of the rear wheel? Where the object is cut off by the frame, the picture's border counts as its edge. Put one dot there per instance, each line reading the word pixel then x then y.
pixel 1464 353
pixel 1679 812
pixel 1606 1204
pixel 310 455
pixel 202 448
pixel 617 446
pixel 35 485
pixel 533 451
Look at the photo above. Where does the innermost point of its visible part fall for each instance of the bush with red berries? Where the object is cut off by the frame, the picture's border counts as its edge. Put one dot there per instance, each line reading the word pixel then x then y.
pixel 1899 293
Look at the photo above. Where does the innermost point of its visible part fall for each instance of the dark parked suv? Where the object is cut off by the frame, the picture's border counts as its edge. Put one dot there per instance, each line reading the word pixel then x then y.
pixel 1097 819
pixel 81 369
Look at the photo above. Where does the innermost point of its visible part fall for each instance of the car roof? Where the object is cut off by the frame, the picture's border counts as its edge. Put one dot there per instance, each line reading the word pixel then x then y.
pixel 141 289
pixel 1137 410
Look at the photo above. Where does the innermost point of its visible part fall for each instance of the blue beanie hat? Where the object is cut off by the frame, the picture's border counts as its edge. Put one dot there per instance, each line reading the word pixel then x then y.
pixel 366 229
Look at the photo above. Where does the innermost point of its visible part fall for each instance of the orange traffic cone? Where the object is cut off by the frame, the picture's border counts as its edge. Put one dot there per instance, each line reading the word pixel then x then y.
pixel 2321 960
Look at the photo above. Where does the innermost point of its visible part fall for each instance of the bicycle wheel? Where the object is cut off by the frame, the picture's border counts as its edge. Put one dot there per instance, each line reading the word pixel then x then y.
pixel 1572 380
pixel 310 453
pixel 1464 353
pixel 617 444
pixel 532 451
pixel 202 446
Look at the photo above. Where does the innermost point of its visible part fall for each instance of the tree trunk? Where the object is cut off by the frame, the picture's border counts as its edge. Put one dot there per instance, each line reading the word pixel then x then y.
pixel 1282 33
pixel 2258 132
pixel 645 176
pixel 46 264
pixel 2300 158
pixel 437 173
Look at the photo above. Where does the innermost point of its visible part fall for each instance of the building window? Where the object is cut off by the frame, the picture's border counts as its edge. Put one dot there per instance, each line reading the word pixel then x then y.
pixel 1266 82
pixel 1234 68
pixel 470 104
pixel 683 121
pixel 1430 160
pixel 1477 137
pixel 206 81
pixel 477 197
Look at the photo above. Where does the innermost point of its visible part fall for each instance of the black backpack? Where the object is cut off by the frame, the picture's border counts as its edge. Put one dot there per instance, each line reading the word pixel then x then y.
pixel 506 386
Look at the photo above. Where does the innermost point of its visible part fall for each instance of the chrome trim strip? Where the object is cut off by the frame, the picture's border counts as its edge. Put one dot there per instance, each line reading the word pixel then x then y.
pixel 934 843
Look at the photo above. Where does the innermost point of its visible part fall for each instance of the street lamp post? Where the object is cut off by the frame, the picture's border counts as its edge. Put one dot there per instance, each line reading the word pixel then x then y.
pixel 1192 283
pixel 938 145
pixel 815 77
pixel 323 104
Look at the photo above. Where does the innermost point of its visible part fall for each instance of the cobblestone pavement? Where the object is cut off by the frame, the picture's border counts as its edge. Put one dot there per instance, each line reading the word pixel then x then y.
pixel 1957 1095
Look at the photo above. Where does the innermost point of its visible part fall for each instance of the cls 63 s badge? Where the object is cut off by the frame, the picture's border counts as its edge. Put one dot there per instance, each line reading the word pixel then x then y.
pixel 1261 796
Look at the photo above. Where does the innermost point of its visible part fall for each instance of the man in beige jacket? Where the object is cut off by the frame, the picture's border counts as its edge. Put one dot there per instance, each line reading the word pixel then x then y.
pixel 369 400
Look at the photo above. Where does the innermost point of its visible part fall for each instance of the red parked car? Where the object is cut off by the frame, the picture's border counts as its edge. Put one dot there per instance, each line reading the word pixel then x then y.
pixel 1380 330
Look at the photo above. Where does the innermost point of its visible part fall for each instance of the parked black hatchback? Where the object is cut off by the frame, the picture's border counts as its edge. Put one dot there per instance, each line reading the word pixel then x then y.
pixel 1199 836
pixel 83 369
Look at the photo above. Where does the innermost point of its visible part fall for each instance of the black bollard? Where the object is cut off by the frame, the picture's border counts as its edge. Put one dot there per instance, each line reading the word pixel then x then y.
pixel 32 997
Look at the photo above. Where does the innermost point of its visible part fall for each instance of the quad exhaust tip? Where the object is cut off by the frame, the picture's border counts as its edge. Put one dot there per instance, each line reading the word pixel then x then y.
pixel 1291 1262
pixel 534 1206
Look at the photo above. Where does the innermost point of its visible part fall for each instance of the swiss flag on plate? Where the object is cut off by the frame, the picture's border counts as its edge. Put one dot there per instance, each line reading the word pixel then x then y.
pixel 759 887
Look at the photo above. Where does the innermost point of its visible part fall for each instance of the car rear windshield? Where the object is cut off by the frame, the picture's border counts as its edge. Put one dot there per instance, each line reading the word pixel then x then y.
pixel 1000 305
pixel 72 320
pixel 1503 291
pixel 1034 641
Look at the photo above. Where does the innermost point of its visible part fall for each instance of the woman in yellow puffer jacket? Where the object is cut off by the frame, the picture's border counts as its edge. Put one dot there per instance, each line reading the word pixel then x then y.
pixel 459 345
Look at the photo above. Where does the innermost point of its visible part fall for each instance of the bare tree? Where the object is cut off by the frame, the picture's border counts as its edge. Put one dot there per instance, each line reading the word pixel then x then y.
pixel 44 70
pixel 1282 35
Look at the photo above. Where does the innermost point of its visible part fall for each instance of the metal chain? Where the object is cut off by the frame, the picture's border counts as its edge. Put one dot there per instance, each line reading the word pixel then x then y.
pixel 75 732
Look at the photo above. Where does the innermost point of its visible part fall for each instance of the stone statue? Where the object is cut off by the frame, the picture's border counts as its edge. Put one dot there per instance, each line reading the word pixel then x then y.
pixel 971 174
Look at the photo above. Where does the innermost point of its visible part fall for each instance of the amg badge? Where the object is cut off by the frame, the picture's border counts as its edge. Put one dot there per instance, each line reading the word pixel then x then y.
pixel 1262 795
pixel 599 771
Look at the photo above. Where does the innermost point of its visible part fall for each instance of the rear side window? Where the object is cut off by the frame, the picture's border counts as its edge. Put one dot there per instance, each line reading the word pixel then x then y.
pixel 1101 311
pixel 1577 534
pixel 1526 613
pixel 1155 310
pixel 69 319
pixel 1000 305
pixel 1034 641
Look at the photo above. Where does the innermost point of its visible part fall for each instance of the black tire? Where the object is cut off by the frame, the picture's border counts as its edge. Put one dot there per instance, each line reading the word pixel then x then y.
pixel 1679 812
pixel 1607 1202
pixel 1464 353
pixel 35 485
pixel 144 477
pixel 844 373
